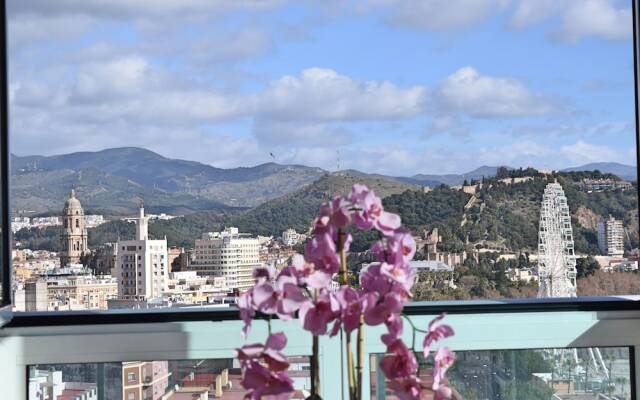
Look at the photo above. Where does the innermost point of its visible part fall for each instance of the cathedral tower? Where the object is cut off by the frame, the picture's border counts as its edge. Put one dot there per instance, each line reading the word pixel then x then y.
pixel 73 241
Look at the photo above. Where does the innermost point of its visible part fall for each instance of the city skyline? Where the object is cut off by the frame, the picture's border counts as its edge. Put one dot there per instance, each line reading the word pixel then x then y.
pixel 242 83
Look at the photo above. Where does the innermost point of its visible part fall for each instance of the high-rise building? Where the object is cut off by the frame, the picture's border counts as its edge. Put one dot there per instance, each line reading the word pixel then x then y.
pixel 142 264
pixel 611 237
pixel 228 254
pixel 73 240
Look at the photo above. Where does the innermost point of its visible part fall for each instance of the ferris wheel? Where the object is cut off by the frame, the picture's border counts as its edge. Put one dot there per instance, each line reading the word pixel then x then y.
pixel 556 257
pixel 557 266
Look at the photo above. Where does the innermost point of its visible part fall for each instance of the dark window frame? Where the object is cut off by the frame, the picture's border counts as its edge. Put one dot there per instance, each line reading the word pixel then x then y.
pixel 169 315
pixel 6 239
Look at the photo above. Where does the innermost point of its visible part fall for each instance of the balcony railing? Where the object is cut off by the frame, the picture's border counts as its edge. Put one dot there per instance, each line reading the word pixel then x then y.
pixel 115 336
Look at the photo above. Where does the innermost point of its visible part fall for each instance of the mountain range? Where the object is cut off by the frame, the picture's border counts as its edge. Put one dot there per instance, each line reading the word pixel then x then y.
pixel 114 181
pixel 623 171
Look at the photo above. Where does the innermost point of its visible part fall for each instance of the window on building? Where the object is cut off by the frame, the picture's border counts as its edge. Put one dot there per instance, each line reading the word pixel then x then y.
pixel 131 376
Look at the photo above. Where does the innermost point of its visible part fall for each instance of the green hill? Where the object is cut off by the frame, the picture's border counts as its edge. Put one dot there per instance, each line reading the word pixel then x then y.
pixel 499 216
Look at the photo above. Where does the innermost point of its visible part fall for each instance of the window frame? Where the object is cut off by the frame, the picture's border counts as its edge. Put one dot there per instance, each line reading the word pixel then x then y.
pixel 170 315
pixel 6 237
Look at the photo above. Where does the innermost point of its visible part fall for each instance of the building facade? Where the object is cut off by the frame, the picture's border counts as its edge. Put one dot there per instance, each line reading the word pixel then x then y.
pixel 611 237
pixel 144 380
pixel 431 252
pixel 227 254
pixel 142 264
pixel 603 185
pixel 49 385
pixel 73 240
pixel 290 237
pixel 103 259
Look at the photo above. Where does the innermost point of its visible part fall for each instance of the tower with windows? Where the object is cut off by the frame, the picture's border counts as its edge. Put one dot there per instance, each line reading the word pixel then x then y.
pixel 73 240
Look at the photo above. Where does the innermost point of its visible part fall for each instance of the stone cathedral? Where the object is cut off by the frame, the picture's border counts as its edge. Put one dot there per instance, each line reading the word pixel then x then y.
pixel 73 241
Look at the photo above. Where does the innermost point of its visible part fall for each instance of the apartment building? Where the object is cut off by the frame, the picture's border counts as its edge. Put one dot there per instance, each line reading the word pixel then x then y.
pixel 145 380
pixel 611 237
pixel 142 264
pixel 187 287
pixel 73 292
pixel 227 254
pixel 290 237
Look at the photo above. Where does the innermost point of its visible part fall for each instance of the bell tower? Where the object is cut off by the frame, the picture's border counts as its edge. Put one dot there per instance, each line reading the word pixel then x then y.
pixel 73 241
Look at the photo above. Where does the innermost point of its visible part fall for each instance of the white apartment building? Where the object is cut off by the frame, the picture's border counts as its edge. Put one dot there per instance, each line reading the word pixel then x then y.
pixel 611 237
pixel 187 287
pixel 290 237
pixel 227 254
pixel 141 264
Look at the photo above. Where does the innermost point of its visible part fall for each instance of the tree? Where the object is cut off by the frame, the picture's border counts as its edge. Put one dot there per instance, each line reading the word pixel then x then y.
pixel 586 266
pixel 502 173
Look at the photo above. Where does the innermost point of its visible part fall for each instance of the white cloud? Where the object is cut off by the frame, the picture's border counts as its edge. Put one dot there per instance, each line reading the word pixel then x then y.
pixel 529 12
pixel 518 153
pixel 596 18
pixel 439 15
pixel 469 92
pixel 135 9
pixel 557 128
pixel 582 153
pixel 121 77
pixel 324 95
pixel 578 18
pixel 24 29
pixel 447 123
pixel 296 133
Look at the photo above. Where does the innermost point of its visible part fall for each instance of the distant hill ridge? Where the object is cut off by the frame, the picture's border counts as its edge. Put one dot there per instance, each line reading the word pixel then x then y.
pixel 623 171
pixel 112 181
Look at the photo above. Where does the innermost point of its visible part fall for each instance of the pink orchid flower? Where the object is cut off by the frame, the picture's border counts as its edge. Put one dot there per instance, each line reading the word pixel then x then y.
pixel 400 362
pixel 387 223
pixel 247 312
pixel 407 388
pixel 321 251
pixel 264 384
pixel 435 332
pixel 379 309
pixel 316 316
pixel 443 359
pixel 403 275
pixel 290 297
pixel 264 273
pixel 270 353
pixel 265 297
pixel 351 307
pixel 372 280
pixel 368 206
pixel 399 248
pixel 298 269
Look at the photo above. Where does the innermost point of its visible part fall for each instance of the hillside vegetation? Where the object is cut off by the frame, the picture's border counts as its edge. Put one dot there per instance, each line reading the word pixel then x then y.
pixel 499 216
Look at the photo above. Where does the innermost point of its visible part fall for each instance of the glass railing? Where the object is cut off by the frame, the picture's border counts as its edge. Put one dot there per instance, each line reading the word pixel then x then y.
pixel 567 373
pixel 560 349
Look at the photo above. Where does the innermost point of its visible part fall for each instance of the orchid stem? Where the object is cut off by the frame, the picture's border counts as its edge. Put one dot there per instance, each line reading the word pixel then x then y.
pixel 360 356
pixel 315 370
pixel 345 281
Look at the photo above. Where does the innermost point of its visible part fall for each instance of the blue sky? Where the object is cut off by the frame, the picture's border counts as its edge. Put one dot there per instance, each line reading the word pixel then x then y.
pixel 393 86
